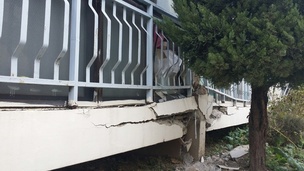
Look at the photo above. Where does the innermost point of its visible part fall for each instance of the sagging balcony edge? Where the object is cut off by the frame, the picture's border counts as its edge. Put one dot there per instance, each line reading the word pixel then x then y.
pixel 92 50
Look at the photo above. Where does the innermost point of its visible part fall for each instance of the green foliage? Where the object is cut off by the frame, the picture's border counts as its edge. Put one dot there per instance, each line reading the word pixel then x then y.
pixel 279 158
pixel 237 137
pixel 285 158
pixel 286 132
pixel 226 41
pixel 226 139
pixel 215 148
pixel 286 118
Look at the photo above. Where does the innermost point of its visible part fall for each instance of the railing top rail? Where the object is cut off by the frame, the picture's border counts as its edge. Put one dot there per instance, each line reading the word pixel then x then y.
pixel 224 94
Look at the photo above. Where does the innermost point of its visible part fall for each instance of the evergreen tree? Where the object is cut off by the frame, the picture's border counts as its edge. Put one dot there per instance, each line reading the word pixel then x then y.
pixel 259 41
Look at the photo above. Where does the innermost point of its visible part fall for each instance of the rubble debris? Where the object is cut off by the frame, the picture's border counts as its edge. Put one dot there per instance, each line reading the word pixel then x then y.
pixel 216 114
pixel 202 159
pixel 175 161
pixel 187 158
pixel 228 167
pixel 239 151
pixel 198 166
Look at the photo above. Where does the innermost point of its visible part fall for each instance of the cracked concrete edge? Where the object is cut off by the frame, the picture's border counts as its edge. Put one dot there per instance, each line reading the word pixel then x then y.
pixel 174 107
pixel 166 121
pixel 113 117
pixel 119 116
pixel 122 124
pixel 169 120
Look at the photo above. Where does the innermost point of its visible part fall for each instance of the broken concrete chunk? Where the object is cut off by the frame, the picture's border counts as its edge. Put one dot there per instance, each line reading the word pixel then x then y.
pixel 188 144
pixel 216 114
pixel 161 95
pixel 228 168
pixel 187 158
pixel 202 159
pixel 198 166
pixel 174 107
pixel 175 161
pixel 209 160
pixel 239 151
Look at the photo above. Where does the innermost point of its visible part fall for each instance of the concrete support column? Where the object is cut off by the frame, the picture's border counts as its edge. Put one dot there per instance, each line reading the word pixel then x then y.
pixel 196 131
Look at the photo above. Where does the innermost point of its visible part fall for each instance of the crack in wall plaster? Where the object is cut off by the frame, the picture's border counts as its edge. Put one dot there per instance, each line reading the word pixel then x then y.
pixel 168 119
pixel 121 124
pixel 172 120
pixel 171 114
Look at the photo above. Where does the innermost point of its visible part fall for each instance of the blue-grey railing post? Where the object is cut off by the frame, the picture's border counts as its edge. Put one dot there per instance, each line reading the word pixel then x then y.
pixel 65 37
pixel 216 97
pixel 22 39
pixel 189 90
pixel 74 51
pixel 243 92
pixel 1 16
pixel 231 90
pixel 235 92
pixel 46 38
pixel 249 92
pixel 149 61
pixel 223 97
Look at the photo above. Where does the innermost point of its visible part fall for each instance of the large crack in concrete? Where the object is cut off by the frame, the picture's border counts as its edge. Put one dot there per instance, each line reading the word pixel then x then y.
pixel 122 123
pixel 168 119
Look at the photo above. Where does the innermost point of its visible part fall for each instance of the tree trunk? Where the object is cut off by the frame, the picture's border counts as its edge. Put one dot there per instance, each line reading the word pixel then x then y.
pixel 258 124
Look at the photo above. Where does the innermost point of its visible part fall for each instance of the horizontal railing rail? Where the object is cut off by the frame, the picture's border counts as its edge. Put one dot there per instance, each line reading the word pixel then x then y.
pixel 227 95
pixel 236 93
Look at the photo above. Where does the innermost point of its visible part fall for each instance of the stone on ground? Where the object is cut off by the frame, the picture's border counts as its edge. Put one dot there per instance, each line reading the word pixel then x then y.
pixel 239 151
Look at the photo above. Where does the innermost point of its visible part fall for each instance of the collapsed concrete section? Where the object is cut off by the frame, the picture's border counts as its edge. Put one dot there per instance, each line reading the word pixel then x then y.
pixel 49 139
pixel 226 115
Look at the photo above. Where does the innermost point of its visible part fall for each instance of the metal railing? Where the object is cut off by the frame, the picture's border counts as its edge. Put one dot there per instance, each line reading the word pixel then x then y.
pixel 236 93
pixel 108 38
